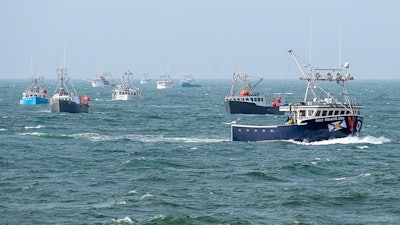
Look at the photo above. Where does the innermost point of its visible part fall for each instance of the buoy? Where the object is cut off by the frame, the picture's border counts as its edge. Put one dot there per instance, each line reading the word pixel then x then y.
pixel 244 92
pixel 278 100
pixel 44 91
pixel 274 104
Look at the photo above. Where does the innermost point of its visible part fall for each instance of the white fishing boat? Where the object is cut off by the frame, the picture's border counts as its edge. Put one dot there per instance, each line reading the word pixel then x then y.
pixel 100 80
pixel 164 82
pixel 125 90
pixel 145 79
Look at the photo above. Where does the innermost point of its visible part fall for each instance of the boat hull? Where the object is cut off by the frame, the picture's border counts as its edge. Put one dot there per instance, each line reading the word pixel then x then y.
pixel 100 83
pixel 189 85
pixel 124 97
pixel 164 85
pixel 312 130
pixel 58 105
pixel 238 107
pixel 33 101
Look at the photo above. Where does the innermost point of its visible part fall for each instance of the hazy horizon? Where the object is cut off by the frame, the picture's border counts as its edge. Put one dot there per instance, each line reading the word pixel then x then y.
pixel 207 39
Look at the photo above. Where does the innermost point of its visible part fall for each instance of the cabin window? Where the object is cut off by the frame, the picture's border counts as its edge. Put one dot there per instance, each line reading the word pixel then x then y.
pixel 251 99
pixel 310 112
pixel 302 113
pixel 247 99
pixel 262 99
pixel 342 112
pixel 317 113
pixel 330 113
pixel 324 113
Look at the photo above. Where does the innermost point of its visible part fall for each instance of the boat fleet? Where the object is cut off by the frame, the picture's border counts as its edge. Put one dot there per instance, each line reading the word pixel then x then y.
pixel 320 115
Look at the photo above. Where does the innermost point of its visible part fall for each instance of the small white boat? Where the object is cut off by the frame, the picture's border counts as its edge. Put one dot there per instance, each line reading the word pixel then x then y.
pixel 100 80
pixel 125 91
pixel 145 79
pixel 164 82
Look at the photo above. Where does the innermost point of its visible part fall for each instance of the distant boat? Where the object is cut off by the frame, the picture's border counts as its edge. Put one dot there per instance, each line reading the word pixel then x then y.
pixel 188 81
pixel 164 82
pixel 243 99
pixel 100 80
pixel 145 79
pixel 125 91
pixel 65 101
pixel 34 94
pixel 321 115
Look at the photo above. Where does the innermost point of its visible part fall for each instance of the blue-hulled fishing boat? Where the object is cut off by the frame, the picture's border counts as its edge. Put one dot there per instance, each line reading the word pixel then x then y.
pixel 66 99
pixel 244 99
pixel 321 115
pixel 34 94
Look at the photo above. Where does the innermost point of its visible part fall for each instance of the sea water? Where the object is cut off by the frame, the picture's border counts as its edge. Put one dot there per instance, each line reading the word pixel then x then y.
pixel 168 159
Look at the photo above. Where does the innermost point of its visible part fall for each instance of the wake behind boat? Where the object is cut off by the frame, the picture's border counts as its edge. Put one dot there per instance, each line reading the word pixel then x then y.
pixel 243 99
pixel 65 101
pixel 125 91
pixel 34 94
pixel 320 116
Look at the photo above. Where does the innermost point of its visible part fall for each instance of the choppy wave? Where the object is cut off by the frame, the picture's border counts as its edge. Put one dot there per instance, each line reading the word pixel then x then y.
pixel 34 127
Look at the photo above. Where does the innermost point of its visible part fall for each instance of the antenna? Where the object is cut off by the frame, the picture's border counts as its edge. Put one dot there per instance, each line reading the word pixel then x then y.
pixel 64 56
pixel 340 42
pixel 309 43
pixel 30 69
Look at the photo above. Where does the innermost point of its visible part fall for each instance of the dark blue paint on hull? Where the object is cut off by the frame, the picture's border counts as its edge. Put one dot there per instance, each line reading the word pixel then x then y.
pixel 310 131
pixel 189 85
pixel 237 107
pixel 68 106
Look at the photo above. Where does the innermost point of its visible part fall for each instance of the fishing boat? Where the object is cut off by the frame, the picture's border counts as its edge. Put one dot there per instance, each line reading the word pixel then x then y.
pixel 243 99
pixel 65 98
pixel 145 79
pixel 34 94
pixel 125 91
pixel 100 80
pixel 321 115
pixel 164 82
pixel 188 81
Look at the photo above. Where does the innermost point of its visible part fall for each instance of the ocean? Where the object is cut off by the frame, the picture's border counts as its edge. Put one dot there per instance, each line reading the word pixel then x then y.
pixel 168 159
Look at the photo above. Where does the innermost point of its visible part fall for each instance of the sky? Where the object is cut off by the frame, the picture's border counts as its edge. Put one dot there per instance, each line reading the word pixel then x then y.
pixel 205 38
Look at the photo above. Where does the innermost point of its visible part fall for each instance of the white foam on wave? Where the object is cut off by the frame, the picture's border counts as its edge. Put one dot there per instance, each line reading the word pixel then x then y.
pixel 194 140
pixel 349 140
pixel 147 195
pixel 2 129
pixel 127 219
pixel 34 127
pixel 33 134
